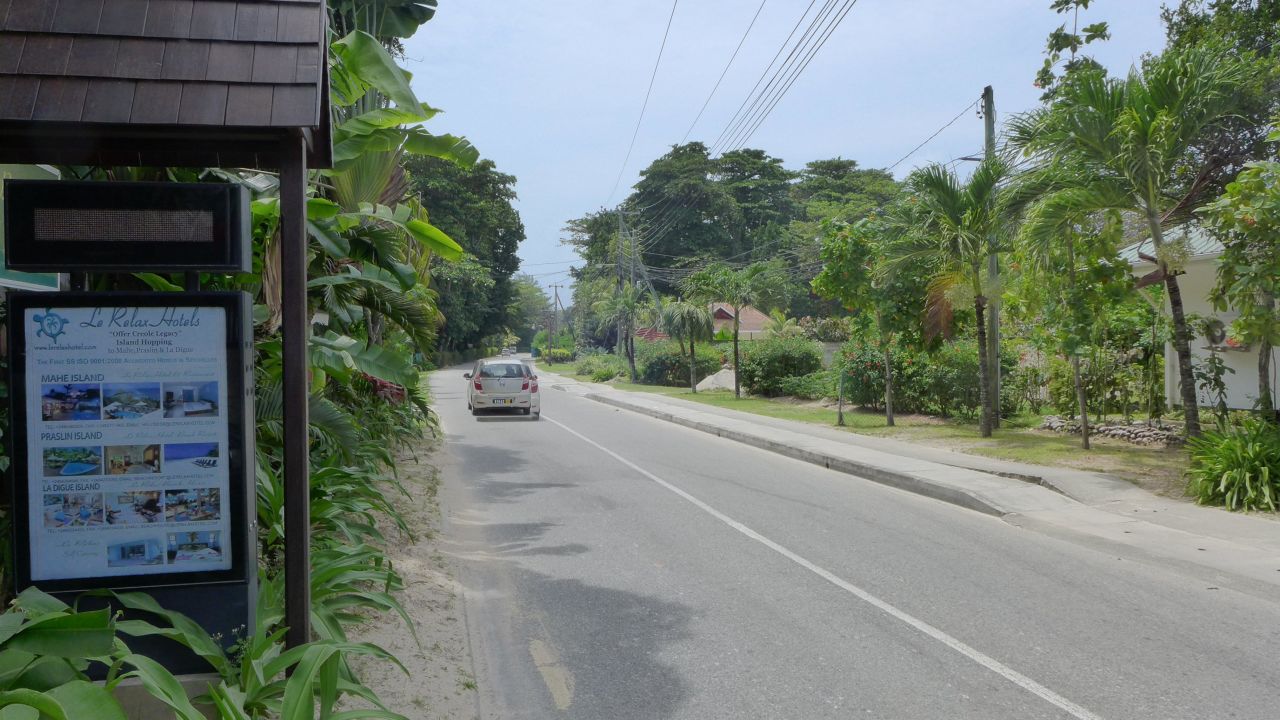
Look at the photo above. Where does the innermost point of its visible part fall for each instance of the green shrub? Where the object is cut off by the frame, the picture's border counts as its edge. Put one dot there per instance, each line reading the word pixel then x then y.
pixel 768 362
pixel 814 386
pixel 601 368
pixel 1237 467
pixel 559 355
pixel 943 382
pixel 664 363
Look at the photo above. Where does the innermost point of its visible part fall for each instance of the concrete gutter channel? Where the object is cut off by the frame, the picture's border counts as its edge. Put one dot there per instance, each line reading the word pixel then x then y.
pixel 956 485
pixel 1024 501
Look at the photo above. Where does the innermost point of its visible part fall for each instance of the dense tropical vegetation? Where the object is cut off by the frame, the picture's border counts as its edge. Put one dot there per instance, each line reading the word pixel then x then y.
pixel 1046 225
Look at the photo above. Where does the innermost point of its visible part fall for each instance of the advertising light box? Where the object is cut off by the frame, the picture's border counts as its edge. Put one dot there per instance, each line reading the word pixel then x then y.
pixel 130 421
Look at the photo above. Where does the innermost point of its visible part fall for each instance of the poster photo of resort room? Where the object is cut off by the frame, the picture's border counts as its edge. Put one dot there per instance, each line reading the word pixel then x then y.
pixel 130 401
pixel 190 399
pixel 196 505
pixel 134 553
pixel 134 507
pixel 195 547
pixel 190 456
pixel 133 459
pixel 72 401
pixel 72 510
pixel 81 460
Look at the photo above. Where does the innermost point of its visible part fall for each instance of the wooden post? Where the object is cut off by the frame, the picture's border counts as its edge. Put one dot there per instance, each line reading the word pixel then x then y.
pixel 295 329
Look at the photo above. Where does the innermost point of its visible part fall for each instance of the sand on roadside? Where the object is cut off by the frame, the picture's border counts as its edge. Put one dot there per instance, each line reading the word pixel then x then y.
pixel 440 684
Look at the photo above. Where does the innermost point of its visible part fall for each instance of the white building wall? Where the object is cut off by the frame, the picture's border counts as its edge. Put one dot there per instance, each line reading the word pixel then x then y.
pixel 1242 385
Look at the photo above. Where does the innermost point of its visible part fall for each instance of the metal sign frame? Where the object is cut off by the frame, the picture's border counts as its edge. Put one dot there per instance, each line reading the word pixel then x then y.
pixel 239 416
pixel 226 249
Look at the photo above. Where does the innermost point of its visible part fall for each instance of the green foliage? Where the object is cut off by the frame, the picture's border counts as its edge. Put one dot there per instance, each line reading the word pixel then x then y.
pixel 1237 467
pixel 768 362
pixel 1060 40
pixel 942 382
pixel 559 355
pixel 46 648
pixel 601 367
pixel 827 329
pixel 475 206
pixel 814 386
pixel 666 363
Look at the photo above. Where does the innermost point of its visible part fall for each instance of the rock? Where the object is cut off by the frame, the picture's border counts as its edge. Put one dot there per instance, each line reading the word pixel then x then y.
pixel 722 380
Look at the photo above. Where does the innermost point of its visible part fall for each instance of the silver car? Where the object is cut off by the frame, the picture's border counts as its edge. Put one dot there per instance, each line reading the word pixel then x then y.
pixel 503 385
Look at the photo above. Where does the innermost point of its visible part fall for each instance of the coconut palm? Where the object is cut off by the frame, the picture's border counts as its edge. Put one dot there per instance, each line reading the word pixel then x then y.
pixel 758 284
pixel 951 226
pixel 1128 142
pixel 625 309
pixel 782 326
pixel 690 321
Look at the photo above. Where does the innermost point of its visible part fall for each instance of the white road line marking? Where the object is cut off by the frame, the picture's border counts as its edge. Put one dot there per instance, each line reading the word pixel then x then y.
pixel 975 655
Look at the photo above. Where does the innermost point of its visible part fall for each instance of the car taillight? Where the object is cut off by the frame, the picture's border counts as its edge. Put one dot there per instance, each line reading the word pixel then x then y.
pixel 535 387
pixel 479 386
pixel 525 386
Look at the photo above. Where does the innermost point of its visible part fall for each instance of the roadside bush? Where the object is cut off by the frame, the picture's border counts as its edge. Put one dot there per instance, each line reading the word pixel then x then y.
pixel 601 368
pixel 768 362
pixel 664 363
pixel 814 386
pixel 944 382
pixel 1237 467
pixel 558 355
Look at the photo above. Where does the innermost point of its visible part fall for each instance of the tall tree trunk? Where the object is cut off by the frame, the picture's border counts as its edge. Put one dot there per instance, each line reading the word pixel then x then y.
pixel 693 367
pixel 984 413
pixel 1081 401
pixel 737 380
pixel 888 379
pixel 1181 336
pixel 1266 403
pixel 631 355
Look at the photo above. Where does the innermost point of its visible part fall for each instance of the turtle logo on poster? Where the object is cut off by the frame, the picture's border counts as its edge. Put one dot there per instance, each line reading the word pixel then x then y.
pixel 51 324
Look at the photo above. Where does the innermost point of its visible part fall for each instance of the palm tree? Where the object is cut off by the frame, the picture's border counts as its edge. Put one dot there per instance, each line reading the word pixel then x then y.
pixel 690 321
pixel 782 326
pixel 1129 142
pixel 758 284
pixel 951 228
pixel 626 308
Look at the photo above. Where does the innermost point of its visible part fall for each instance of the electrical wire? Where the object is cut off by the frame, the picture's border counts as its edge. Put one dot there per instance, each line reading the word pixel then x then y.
pixel 935 134
pixel 724 72
pixel 644 106
pixel 813 51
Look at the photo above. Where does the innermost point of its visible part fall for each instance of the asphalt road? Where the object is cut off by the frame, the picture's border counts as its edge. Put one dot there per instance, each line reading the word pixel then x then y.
pixel 615 566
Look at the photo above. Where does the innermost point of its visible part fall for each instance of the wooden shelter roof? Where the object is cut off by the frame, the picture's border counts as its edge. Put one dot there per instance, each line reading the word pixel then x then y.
pixel 161 82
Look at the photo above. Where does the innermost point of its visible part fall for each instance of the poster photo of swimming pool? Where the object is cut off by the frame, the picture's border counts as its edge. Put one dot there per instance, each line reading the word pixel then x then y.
pixel 194 505
pixel 191 399
pixel 190 456
pixel 62 461
pixel 130 401
pixel 72 510
pixel 133 459
pixel 132 553
pixel 70 401
pixel 195 547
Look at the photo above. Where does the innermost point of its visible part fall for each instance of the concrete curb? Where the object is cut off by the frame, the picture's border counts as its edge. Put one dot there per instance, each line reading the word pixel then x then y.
pixel 901 480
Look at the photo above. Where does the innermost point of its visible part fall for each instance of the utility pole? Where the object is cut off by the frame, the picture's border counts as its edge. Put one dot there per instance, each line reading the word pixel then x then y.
pixel 555 314
pixel 621 340
pixel 993 270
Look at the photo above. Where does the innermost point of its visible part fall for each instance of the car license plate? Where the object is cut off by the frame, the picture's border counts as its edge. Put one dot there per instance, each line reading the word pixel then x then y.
pixel 501 402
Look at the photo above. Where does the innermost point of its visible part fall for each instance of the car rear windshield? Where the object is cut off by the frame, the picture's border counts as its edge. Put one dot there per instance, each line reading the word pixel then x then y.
pixel 513 370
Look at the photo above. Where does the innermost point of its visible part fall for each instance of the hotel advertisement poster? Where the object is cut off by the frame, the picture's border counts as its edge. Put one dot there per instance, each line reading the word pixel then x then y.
pixel 128 438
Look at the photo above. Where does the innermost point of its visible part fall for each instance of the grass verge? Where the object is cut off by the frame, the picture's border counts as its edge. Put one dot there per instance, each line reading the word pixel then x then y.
pixel 1157 469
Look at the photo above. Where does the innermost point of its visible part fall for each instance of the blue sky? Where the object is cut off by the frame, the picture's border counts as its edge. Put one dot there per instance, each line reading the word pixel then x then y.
pixel 551 90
